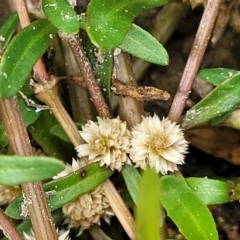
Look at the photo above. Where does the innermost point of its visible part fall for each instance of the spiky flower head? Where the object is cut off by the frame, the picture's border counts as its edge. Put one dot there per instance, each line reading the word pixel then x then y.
pixel 107 142
pixel 87 209
pixel 159 144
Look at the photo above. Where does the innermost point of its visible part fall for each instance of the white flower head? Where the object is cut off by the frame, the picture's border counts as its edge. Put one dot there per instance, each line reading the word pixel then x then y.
pixel 158 144
pixel 76 165
pixel 107 142
pixel 87 209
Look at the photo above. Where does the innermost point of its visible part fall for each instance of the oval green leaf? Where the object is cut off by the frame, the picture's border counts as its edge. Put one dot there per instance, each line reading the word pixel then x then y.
pixel 216 76
pixel 148 216
pixel 142 44
pixel 20 169
pixel 7 30
pixel 61 15
pixel 107 22
pixel 66 189
pixel 210 191
pixel 22 53
pixel 223 99
pixel 186 209
pixel 132 179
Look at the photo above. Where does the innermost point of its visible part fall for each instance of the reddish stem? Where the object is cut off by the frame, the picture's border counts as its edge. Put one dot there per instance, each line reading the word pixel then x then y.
pixel 194 59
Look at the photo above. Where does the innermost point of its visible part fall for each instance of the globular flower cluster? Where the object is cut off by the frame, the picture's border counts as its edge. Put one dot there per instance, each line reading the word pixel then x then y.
pixel 87 209
pixel 107 142
pixel 156 143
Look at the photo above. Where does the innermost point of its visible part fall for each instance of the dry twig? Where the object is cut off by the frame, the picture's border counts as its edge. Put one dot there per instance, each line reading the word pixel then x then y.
pixel 144 93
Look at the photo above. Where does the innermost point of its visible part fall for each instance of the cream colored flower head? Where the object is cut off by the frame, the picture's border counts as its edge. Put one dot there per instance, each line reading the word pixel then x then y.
pixel 86 209
pixel 107 142
pixel 158 144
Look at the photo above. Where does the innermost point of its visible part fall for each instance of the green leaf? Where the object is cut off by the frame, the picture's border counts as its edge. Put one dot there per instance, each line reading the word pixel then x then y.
pixel 142 44
pixel 66 189
pixel 186 209
pixel 51 145
pixel 20 169
pixel 210 191
pixel 107 22
pixel 21 54
pixel 224 98
pixel 216 76
pixel 7 30
pixel 59 132
pixel 62 15
pixel 148 210
pixel 132 180
pixel 30 115
pixel 102 64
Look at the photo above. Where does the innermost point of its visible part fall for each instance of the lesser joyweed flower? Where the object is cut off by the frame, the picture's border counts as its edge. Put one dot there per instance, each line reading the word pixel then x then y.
pixel 158 144
pixel 87 209
pixel 107 142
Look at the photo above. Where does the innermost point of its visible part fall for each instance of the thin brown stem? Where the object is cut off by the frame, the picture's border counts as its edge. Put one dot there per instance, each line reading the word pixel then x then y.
pixel 86 70
pixel 20 145
pixel 8 228
pixel 49 95
pixel 194 59
pixel 39 69
pixel 131 110
pixel 39 212
pixel 119 208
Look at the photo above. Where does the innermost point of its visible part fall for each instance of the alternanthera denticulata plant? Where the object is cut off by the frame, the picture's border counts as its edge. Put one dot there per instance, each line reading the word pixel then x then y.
pixel 109 147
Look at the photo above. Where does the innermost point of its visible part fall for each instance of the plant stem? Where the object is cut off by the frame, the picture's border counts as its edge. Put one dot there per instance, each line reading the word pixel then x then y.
pixel 8 228
pixel 130 110
pixel 39 68
pixel 42 221
pixel 84 65
pixel 194 59
pixel 81 106
pixel 119 208
pixel 49 95
pixel 19 143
